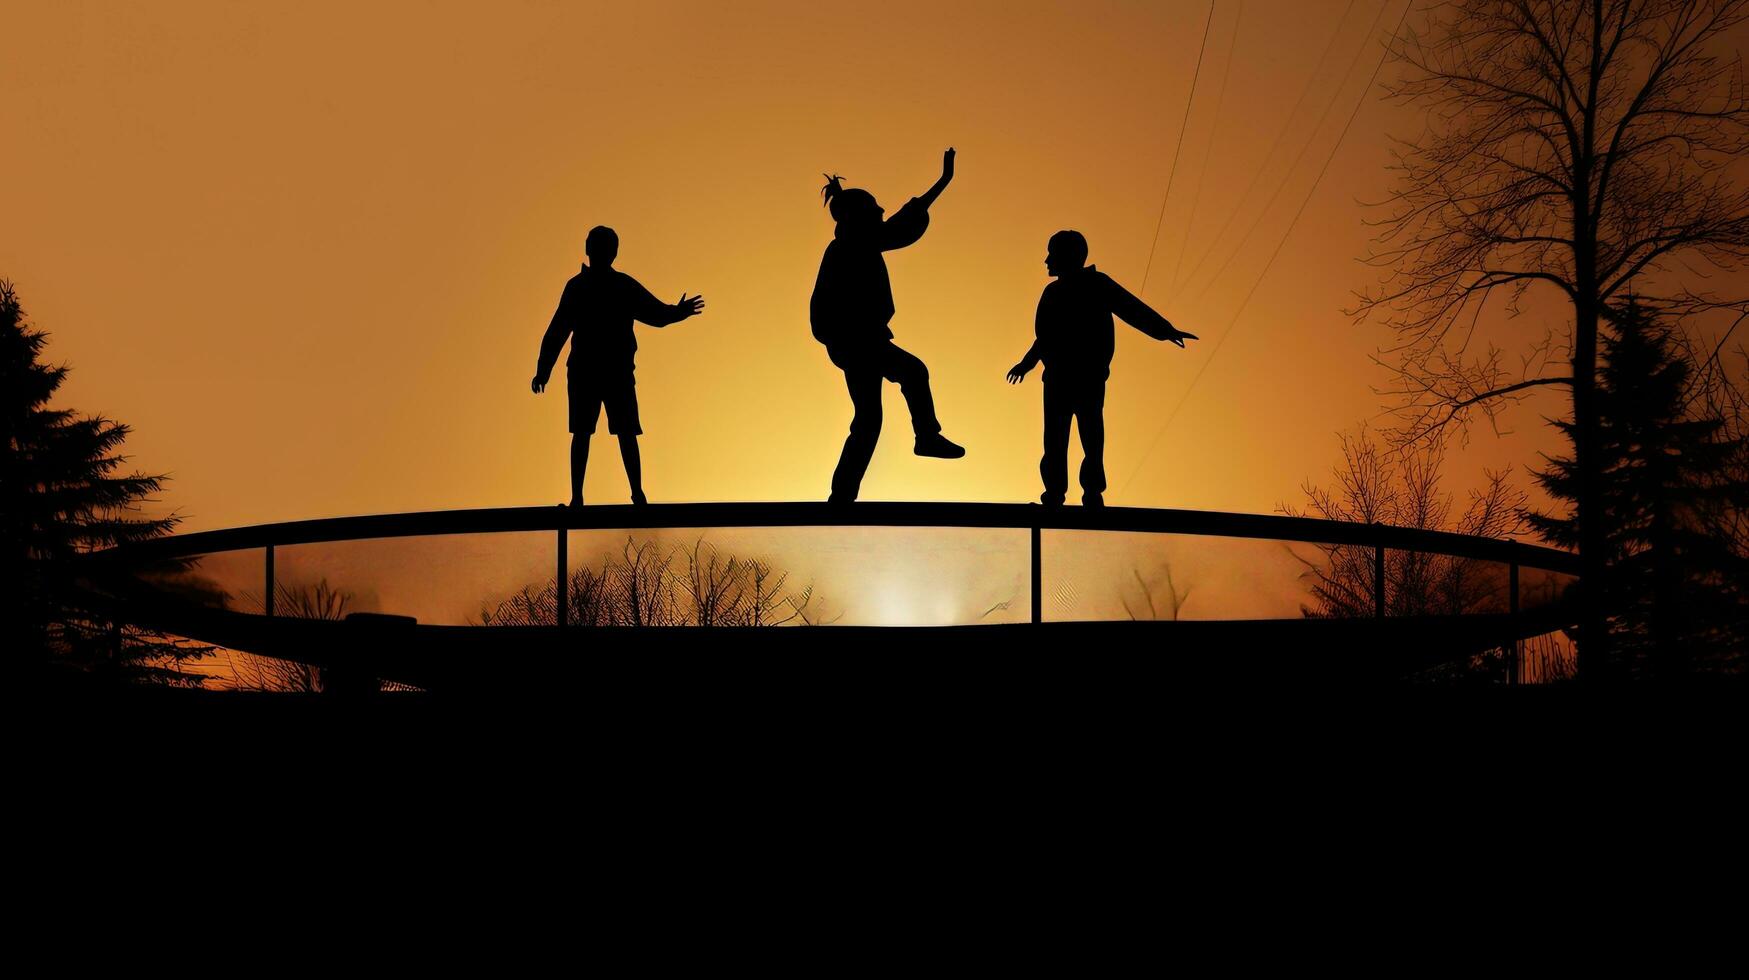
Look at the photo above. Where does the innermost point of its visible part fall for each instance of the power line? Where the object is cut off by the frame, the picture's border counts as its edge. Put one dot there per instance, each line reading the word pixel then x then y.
pixel 1330 106
pixel 1280 138
pixel 1209 148
pixel 1272 257
pixel 1181 127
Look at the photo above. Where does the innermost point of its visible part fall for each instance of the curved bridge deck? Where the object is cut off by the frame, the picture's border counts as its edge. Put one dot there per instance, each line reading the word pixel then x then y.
pixel 439 656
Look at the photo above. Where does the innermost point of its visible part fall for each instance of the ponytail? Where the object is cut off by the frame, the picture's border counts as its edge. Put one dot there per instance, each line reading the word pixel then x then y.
pixel 834 187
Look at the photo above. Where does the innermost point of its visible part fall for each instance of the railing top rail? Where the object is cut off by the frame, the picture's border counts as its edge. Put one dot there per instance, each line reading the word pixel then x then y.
pixel 868 514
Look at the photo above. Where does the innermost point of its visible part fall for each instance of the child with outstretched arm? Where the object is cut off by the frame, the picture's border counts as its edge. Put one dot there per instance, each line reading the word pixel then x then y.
pixel 1075 339
pixel 595 314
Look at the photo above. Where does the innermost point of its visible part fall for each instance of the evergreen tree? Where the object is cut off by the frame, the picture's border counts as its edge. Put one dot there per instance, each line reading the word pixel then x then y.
pixel 1672 589
pixel 60 499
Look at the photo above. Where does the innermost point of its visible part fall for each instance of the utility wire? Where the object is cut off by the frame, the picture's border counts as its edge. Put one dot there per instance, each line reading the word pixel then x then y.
pixel 1280 138
pixel 1209 148
pixel 1287 175
pixel 1161 220
pixel 1228 333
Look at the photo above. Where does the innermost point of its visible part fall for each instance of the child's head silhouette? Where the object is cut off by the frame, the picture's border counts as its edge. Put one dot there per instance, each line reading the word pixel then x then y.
pixel 602 247
pixel 852 207
pixel 1067 252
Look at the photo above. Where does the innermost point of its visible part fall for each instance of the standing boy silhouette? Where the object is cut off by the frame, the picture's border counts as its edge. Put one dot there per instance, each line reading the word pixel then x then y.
pixel 596 311
pixel 1076 337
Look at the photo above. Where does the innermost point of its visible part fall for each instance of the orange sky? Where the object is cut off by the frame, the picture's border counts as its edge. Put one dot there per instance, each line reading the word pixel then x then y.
pixel 307 251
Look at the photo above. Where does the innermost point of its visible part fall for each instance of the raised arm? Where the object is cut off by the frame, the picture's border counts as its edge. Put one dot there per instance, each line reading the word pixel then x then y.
pixel 910 222
pixel 928 197
pixel 1140 315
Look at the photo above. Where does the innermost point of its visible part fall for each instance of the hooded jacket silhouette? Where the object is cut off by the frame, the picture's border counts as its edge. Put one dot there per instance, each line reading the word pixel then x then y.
pixel 1076 334
pixel 849 311
pixel 853 297
pixel 1076 326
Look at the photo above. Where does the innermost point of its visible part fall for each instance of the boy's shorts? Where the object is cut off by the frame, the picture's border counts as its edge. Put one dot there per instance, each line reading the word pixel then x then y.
pixel 618 392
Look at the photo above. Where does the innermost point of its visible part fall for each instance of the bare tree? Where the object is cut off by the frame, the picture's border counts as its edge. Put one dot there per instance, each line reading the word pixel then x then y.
pixel 770 605
pixel 257 672
pixel 1402 488
pixel 737 592
pixel 646 586
pixel 1570 146
pixel 1719 389
pixel 1171 601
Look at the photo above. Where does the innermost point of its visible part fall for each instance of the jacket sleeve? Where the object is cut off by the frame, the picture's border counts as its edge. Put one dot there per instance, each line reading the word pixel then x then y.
pixel 905 227
pixel 1039 329
pixel 646 308
pixel 1131 310
pixel 558 331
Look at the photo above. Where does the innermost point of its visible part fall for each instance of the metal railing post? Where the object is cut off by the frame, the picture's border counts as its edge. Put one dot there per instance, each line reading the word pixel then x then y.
pixel 1516 667
pixel 1037 578
pixel 1378 581
pixel 559 583
pixel 267 590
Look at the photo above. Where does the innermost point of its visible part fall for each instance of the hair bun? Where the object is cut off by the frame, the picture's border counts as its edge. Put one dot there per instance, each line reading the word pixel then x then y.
pixel 834 187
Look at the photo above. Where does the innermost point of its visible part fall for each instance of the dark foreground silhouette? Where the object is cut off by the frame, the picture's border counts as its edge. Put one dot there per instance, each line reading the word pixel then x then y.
pixel 850 309
pixel 617 615
pixel 1076 337
pixel 596 312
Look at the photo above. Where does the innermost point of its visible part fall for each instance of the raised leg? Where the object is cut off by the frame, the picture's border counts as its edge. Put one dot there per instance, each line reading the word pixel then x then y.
pixel 912 376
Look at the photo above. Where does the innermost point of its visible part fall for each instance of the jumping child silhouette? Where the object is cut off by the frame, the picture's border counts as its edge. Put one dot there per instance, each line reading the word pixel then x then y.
pixel 596 311
pixel 850 309
pixel 1076 337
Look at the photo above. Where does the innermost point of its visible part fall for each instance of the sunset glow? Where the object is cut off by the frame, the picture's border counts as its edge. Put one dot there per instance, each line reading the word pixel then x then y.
pixel 308 252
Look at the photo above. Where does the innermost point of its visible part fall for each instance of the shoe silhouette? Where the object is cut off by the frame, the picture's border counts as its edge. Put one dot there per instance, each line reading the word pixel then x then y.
pixel 937 445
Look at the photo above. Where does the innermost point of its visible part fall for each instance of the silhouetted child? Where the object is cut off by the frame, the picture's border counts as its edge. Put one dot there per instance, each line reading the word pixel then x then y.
pixel 850 309
pixel 596 311
pixel 1076 337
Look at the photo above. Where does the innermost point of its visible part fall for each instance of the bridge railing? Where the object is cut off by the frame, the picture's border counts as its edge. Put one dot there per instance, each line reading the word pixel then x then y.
pixel 1045 528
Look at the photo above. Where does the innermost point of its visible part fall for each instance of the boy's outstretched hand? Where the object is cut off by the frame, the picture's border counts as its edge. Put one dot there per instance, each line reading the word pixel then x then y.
pixel 1179 337
pixel 690 307
pixel 947 164
pixel 1018 372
